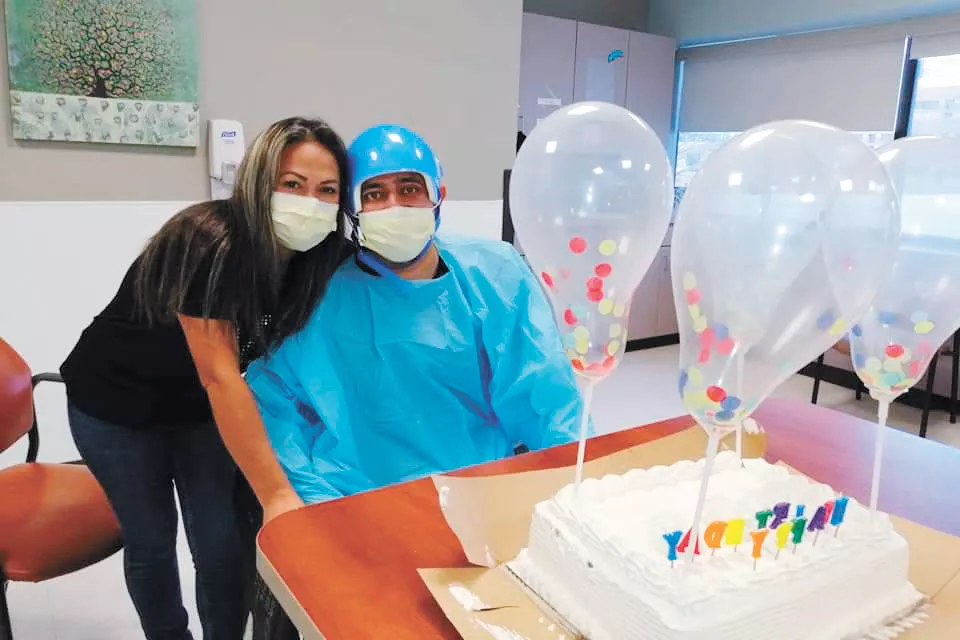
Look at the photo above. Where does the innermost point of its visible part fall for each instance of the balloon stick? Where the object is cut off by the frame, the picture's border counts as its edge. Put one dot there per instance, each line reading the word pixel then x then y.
pixel 712 444
pixel 882 412
pixel 741 396
pixel 587 393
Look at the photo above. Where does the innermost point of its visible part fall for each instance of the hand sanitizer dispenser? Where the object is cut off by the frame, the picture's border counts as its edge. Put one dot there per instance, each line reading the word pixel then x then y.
pixel 226 152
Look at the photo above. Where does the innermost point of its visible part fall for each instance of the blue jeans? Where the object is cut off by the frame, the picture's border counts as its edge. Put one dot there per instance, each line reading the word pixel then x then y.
pixel 139 469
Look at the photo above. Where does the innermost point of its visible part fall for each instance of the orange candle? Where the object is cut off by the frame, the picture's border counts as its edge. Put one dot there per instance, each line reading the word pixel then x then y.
pixel 713 536
pixel 758 537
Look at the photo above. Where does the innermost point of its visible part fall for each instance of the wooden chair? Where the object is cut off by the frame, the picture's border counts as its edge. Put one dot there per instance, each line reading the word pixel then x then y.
pixel 953 351
pixel 54 518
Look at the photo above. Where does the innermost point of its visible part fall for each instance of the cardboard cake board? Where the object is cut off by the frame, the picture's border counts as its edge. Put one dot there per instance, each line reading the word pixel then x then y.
pixel 491 517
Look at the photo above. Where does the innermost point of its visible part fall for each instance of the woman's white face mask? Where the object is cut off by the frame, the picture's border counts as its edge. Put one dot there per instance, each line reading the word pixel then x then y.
pixel 301 222
pixel 398 234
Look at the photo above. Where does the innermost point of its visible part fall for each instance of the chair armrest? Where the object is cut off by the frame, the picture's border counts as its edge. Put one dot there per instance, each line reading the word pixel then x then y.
pixel 33 436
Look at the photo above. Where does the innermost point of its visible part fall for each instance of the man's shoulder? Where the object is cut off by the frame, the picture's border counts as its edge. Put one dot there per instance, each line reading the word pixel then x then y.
pixel 479 249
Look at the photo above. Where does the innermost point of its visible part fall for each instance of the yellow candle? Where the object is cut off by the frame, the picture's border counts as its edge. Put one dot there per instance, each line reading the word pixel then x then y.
pixel 735 531
pixel 783 534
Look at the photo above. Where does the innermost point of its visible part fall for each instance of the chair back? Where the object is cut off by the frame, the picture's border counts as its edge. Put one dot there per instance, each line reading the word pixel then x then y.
pixel 16 397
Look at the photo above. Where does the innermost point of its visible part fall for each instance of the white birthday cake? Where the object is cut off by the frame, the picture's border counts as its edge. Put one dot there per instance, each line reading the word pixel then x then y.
pixel 780 557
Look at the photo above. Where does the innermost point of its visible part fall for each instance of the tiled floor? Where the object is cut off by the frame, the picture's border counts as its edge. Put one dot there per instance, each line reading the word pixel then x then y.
pixel 93 604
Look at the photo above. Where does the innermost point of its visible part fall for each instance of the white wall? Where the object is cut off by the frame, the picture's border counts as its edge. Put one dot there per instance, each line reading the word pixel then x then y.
pixel 61 262
pixel 847 78
pixel 446 68
pixel 694 22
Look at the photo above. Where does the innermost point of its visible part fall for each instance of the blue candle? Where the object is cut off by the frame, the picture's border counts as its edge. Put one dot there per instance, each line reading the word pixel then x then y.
pixel 801 510
pixel 839 511
pixel 673 540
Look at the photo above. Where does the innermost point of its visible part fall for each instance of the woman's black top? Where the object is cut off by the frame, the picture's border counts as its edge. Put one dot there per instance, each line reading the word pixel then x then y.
pixel 128 372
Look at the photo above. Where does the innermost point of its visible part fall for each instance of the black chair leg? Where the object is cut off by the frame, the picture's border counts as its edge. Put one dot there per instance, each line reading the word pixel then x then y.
pixel 6 627
pixel 928 396
pixel 956 378
pixel 817 374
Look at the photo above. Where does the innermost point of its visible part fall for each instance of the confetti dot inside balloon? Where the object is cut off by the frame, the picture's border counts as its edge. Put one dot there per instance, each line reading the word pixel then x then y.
pixel 706 338
pixel 890 378
pixel 581 333
pixel 923 328
pixel 547 279
pixel 919 316
pixel 730 403
pixel 578 245
pixel 725 347
pixel 693 296
pixel 873 364
pixel 838 328
pixel 924 349
pixel 694 310
pixel 570 317
pixel 613 347
pixel 856 331
pixel 696 376
pixel 825 321
pixel 603 270
pixel 605 307
pixel 684 378
pixel 704 356
pixel 595 295
pixel 724 416
pixel 615 331
pixel 619 310
pixel 608 248
pixel 583 347
pixel 859 361
pixel 894 351
pixel 892 364
pixel 720 330
pixel 577 364
pixel 716 394
pixel 689 281
pixel 915 369
pixel 886 318
pixel 594 283
pixel 700 324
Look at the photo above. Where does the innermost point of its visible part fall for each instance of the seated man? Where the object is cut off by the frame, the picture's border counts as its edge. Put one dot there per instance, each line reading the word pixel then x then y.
pixel 426 355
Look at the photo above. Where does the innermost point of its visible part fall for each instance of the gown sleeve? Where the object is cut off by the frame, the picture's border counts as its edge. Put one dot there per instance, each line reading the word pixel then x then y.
pixel 292 424
pixel 533 388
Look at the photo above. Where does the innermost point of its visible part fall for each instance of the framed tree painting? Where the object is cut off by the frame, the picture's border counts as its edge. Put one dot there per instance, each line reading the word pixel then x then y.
pixel 104 71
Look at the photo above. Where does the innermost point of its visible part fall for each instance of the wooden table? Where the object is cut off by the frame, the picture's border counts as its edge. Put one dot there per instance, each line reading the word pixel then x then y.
pixel 347 569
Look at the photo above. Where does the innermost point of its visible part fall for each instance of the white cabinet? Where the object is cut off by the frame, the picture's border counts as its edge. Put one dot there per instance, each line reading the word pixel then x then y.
pixel 651 74
pixel 548 50
pixel 601 64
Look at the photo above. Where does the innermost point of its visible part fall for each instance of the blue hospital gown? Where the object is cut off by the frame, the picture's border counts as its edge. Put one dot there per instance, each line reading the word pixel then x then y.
pixel 387 384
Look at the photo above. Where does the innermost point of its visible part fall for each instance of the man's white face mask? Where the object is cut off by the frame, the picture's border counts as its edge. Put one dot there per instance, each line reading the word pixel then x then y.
pixel 301 222
pixel 398 234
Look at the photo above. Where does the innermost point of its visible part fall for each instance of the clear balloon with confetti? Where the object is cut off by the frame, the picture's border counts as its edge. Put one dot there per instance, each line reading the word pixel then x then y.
pixel 780 244
pixel 917 307
pixel 591 195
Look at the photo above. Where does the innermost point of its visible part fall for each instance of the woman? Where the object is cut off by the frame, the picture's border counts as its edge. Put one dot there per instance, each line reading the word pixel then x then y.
pixel 155 387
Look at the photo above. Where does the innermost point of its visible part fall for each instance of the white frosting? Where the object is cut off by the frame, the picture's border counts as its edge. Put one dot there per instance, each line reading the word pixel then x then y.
pixel 600 560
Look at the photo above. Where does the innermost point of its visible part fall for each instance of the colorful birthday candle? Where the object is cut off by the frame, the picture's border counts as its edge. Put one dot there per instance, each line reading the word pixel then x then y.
pixel 818 522
pixel 713 536
pixel 763 517
pixel 799 526
pixel 783 534
pixel 839 513
pixel 780 513
pixel 735 529
pixel 829 509
pixel 758 537
pixel 801 510
pixel 685 542
pixel 672 540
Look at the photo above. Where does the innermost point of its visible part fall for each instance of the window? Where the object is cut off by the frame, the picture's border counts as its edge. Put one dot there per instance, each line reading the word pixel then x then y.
pixel 936 97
